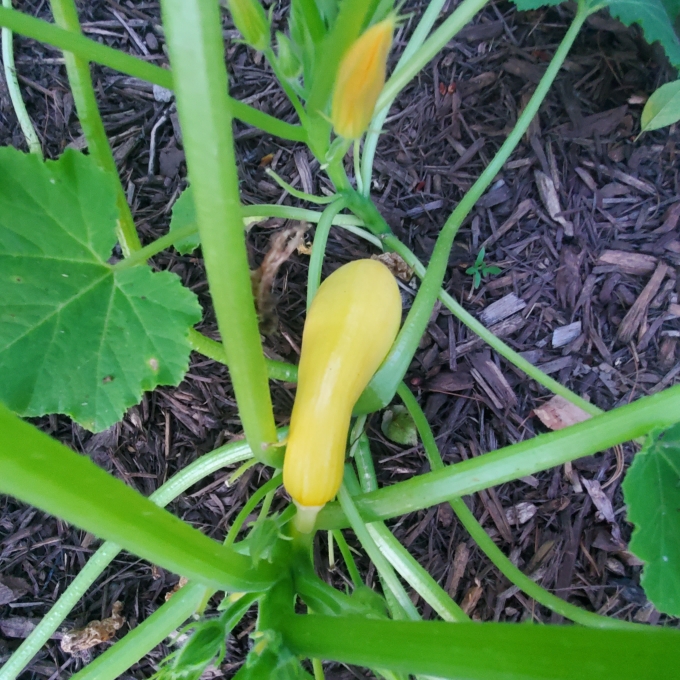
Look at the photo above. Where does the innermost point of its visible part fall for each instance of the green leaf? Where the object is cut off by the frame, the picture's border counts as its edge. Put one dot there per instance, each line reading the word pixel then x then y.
pixel 493 270
pixel 525 5
pixel 672 8
pixel 662 108
pixel 262 539
pixel 652 493
pixel 184 214
pixel 398 426
pixel 654 16
pixel 654 20
pixel 77 335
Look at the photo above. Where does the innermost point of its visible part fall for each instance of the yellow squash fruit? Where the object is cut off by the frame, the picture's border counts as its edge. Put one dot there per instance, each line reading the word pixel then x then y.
pixel 349 330
pixel 360 79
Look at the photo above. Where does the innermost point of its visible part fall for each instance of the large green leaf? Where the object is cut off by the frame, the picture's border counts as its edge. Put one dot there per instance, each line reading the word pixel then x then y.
pixel 654 20
pixel 652 493
pixel 654 16
pixel 77 335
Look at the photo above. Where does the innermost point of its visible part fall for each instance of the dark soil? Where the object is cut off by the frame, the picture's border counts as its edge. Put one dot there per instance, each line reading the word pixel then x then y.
pixel 615 194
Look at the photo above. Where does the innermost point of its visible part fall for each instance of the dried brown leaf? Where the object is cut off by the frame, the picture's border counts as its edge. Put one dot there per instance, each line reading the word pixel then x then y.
pixel 94 633
pixel 282 245
pixel 396 264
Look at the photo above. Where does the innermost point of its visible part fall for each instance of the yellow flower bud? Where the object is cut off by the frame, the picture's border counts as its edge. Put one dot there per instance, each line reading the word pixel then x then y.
pixel 350 327
pixel 360 79
pixel 251 21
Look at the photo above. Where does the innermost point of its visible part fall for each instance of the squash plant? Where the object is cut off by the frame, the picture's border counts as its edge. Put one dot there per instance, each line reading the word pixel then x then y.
pixel 85 336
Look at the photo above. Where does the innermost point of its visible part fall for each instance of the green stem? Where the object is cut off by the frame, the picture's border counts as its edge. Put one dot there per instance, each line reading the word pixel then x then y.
pixel 283 82
pixel 406 565
pixel 485 334
pixel 406 609
pixel 518 460
pixel 194 39
pixel 252 214
pixel 319 247
pixel 427 51
pixel 303 196
pixel 486 651
pixel 91 50
pixel 144 637
pixel 78 70
pixel 277 370
pixel 375 128
pixel 39 470
pixel 252 503
pixel 15 92
pixel 492 551
pixel 385 382
pixel 346 553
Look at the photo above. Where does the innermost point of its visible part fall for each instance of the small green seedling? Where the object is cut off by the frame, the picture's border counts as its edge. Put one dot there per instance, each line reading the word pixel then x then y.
pixel 479 269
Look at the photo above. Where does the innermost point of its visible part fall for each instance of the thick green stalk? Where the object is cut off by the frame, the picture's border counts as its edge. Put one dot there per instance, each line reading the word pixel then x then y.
pixel 384 384
pixel 194 39
pixel 319 247
pixel 375 128
pixel 91 50
pixel 487 651
pixel 204 466
pixel 39 470
pixel 144 637
pixel 66 16
pixel 15 92
pixel 406 565
pixel 511 462
pixel 492 551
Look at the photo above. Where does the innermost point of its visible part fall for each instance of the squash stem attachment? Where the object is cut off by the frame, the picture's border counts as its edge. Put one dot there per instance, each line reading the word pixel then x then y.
pixel 305 517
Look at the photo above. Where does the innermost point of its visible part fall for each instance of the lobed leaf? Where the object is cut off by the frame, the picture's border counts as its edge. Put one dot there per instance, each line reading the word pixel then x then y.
pixel 654 20
pixel 655 17
pixel 77 335
pixel 652 494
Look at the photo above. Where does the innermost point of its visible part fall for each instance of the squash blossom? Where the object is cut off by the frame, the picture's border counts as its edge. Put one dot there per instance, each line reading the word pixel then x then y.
pixel 252 23
pixel 360 79
pixel 349 330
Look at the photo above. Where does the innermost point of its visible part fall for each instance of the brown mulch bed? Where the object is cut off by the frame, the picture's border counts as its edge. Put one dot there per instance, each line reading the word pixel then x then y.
pixel 568 283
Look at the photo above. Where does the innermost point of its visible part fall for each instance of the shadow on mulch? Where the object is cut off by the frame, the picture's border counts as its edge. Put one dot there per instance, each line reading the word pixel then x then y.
pixel 571 272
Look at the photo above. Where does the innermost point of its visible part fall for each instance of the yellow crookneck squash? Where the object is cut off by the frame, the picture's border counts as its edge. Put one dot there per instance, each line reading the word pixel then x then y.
pixel 349 330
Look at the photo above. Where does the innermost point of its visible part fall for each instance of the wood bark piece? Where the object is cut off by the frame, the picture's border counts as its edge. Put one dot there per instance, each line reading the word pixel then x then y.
pixel 558 413
pixel 628 263
pixel 500 330
pixel 492 381
pixel 548 193
pixel 565 334
pixel 518 213
pixel 637 313
pixel 501 309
